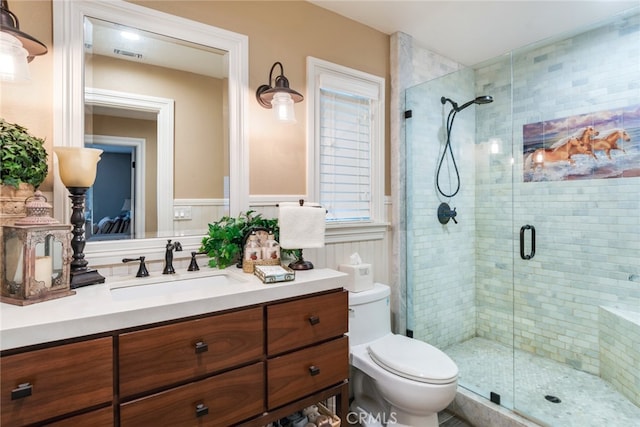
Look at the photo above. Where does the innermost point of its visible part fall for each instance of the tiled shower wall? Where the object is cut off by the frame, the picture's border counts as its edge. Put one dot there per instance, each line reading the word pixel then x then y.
pixel 440 259
pixel 467 279
pixel 620 351
pixel 588 231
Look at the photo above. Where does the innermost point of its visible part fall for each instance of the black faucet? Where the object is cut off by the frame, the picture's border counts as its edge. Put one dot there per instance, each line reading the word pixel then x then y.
pixel 168 256
pixel 193 266
pixel 142 270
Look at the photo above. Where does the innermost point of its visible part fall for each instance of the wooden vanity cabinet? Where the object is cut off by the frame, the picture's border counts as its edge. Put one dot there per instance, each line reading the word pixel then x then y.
pixel 306 371
pixel 248 366
pixel 299 323
pixel 42 384
pixel 221 400
pixel 163 355
pixel 193 372
pixel 306 347
pixel 97 418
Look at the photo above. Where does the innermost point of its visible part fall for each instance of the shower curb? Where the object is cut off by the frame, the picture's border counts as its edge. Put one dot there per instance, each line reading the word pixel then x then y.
pixel 470 406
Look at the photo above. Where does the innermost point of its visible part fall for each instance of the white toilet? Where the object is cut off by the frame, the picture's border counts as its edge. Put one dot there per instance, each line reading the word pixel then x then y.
pixel 395 380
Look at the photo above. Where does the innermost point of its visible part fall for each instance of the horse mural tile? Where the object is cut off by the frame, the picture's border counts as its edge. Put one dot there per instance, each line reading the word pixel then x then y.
pixel 603 144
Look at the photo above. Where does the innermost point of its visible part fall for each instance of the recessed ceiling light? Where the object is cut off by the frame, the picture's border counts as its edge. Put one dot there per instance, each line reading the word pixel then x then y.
pixel 129 35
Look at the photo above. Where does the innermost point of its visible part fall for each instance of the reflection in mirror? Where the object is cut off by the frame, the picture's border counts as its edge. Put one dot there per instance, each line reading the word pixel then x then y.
pixel 192 78
pixel 175 112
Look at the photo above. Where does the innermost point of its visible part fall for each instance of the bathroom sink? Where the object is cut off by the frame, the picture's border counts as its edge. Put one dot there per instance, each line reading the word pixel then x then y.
pixel 175 286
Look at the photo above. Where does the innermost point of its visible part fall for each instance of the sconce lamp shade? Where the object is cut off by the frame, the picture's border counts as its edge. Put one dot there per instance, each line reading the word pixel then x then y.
pixel 77 166
pixel 17 48
pixel 9 24
pixel 282 105
pixel 13 59
pixel 280 96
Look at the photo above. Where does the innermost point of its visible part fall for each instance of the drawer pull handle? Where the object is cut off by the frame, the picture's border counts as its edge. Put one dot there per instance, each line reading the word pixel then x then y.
pixel 314 320
pixel 314 370
pixel 23 390
pixel 201 347
pixel 201 410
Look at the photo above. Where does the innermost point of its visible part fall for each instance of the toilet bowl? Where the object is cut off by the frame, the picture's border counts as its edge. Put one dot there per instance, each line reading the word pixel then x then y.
pixel 396 380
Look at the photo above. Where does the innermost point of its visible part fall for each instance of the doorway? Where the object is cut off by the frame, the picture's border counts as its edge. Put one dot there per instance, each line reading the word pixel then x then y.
pixel 115 203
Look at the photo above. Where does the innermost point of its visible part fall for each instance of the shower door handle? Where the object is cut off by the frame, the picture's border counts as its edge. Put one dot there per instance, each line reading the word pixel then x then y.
pixel 532 253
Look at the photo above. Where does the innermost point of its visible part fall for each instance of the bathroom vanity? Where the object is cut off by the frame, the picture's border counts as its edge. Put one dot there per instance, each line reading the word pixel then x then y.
pixel 238 352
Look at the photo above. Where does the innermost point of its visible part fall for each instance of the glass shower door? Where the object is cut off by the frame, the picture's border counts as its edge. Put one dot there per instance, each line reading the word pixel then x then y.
pixel 576 292
pixel 460 274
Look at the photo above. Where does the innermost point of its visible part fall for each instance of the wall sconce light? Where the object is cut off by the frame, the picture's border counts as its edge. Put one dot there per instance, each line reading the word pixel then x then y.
pixel 78 167
pixel 16 47
pixel 280 97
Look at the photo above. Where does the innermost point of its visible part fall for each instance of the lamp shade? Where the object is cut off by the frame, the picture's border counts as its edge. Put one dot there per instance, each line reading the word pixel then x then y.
pixel 9 24
pixel 282 105
pixel 77 165
pixel 13 59
pixel 280 97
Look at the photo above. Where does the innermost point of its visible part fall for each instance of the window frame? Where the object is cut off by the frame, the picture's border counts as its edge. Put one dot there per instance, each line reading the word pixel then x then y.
pixel 324 74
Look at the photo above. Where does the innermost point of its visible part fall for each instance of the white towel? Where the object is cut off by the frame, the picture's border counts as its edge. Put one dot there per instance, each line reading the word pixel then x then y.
pixel 301 227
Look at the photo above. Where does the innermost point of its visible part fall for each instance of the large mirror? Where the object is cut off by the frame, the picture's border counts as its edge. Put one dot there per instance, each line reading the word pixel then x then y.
pixel 163 94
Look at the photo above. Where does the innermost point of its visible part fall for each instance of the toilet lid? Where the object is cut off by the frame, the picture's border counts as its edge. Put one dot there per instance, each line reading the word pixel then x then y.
pixel 413 359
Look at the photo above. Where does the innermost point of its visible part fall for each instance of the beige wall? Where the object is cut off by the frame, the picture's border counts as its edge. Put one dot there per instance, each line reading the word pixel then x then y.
pixel 278 31
pixel 30 104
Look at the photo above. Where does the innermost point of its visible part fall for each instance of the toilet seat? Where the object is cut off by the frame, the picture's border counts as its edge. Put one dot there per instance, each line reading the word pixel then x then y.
pixel 413 359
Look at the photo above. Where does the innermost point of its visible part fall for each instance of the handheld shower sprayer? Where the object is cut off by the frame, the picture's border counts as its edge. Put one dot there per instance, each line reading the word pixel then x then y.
pixel 484 99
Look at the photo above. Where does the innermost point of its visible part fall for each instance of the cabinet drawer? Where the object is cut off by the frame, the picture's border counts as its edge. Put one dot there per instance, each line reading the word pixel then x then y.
pixel 303 372
pixel 57 380
pixel 226 399
pixel 167 354
pixel 306 321
pixel 98 418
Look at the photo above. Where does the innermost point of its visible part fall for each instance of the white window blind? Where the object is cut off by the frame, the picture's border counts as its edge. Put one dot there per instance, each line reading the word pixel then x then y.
pixel 346 141
pixel 345 166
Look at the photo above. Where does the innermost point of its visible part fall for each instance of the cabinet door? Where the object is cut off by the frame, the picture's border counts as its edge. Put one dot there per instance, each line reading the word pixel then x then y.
pixel 165 355
pixel 304 372
pixel 221 400
pixel 41 384
pixel 298 323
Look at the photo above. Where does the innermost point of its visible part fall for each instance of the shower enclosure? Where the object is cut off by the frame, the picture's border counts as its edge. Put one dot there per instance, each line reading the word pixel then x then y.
pixel 535 291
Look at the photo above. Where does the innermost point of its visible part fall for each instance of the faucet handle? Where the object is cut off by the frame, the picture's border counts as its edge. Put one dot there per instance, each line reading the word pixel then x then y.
pixel 193 266
pixel 142 269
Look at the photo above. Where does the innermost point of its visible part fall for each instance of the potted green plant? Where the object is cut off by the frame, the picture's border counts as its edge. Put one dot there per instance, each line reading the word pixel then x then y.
pixel 23 158
pixel 226 236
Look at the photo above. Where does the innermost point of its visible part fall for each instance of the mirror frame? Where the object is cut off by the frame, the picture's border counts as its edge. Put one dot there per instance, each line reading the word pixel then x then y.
pixel 69 95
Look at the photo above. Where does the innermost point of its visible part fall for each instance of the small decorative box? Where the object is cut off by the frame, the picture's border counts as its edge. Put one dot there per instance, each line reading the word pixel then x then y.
pixel 274 273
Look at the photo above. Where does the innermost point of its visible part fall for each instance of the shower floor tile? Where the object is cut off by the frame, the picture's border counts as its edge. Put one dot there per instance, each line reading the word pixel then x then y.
pixel 585 400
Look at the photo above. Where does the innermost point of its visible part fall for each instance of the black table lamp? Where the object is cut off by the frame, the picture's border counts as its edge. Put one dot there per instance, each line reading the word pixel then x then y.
pixel 78 167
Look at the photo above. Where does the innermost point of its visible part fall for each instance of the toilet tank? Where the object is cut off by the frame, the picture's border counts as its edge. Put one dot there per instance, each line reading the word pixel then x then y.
pixel 369 314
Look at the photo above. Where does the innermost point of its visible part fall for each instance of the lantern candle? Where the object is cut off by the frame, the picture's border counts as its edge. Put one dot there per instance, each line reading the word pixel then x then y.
pixel 44 270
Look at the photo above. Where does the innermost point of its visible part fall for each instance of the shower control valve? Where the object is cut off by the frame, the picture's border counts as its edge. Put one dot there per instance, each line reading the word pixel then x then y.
pixel 445 213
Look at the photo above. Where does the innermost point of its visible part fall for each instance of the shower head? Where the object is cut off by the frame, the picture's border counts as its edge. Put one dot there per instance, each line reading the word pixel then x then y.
pixel 484 99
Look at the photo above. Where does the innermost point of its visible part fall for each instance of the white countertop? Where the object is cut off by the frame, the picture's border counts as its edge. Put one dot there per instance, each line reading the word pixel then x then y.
pixel 96 308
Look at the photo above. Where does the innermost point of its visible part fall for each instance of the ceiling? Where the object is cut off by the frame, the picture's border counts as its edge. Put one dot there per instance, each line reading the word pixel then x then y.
pixel 132 44
pixel 473 31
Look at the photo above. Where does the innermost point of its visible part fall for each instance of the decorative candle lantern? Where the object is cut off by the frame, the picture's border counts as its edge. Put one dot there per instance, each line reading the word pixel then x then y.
pixel 78 168
pixel 37 256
